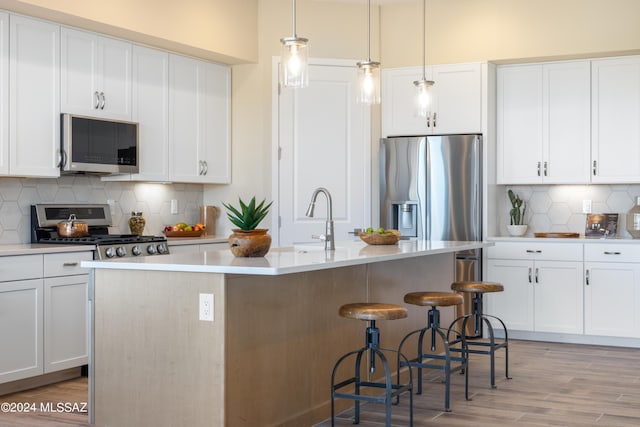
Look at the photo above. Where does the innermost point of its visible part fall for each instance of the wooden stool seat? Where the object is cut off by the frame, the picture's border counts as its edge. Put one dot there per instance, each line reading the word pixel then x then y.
pixel 479 287
pixel 373 311
pixel 434 299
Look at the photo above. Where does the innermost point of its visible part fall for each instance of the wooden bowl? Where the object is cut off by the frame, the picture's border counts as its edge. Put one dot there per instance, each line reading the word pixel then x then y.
pixel 389 237
pixel 197 233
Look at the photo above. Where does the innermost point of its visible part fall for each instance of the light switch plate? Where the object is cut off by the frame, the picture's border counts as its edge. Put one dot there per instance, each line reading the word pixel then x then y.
pixel 586 206
pixel 174 206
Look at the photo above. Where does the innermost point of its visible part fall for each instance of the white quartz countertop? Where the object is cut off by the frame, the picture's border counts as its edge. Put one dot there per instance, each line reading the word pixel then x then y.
pixel 285 260
pixel 580 239
pixel 41 248
pixel 202 240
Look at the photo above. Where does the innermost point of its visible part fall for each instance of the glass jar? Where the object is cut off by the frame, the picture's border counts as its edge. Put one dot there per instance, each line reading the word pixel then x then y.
pixel 137 223
pixel 633 220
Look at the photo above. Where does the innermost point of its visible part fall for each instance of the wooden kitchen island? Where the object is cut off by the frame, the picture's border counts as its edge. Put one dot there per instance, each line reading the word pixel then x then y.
pixel 266 357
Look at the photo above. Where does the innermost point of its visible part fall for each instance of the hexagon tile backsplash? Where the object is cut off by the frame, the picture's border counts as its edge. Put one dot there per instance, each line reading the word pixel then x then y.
pixel 153 200
pixel 559 207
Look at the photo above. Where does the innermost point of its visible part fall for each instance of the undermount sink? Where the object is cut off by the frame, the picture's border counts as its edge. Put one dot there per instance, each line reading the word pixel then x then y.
pixel 309 247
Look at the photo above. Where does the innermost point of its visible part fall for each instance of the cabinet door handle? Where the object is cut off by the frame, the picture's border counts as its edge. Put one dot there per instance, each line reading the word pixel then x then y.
pixel 104 101
pixel 200 167
pixel 586 277
pixel 595 167
pixel 96 95
pixel 70 264
pixel 538 168
pixel 537 275
pixel 206 167
pixel 434 119
pixel 612 253
pixel 428 120
pixel 531 251
pixel 529 274
pixel 546 167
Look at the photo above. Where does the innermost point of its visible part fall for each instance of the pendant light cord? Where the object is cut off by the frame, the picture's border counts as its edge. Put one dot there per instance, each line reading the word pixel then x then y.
pixel 424 40
pixel 294 19
pixel 369 31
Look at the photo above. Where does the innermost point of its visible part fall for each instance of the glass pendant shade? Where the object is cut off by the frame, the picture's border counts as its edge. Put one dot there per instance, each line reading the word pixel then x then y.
pixel 369 82
pixel 295 62
pixel 423 97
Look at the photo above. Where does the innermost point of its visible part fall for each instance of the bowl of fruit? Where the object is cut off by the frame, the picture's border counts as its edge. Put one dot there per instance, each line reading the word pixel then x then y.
pixel 182 229
pixel 379 236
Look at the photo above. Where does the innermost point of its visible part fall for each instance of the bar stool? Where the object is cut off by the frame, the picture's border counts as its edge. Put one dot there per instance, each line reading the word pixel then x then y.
pixel 478 289
pixel 435 300
pixel 371 312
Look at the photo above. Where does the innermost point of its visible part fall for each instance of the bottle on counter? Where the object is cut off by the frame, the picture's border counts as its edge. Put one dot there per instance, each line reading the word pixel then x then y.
pixel 137 223
pixel 633 220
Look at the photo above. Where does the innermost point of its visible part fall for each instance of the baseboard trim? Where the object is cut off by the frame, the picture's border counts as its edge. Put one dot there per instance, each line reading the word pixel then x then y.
pixel 40 380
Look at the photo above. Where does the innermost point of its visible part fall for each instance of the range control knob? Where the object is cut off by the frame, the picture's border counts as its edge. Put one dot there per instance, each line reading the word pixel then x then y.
pixel 163 249
pixel 136 250
pixel 110 252
pixel 151 249
pixel 121 251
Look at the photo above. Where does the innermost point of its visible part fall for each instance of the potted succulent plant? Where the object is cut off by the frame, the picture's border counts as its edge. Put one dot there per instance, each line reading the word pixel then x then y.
pixel 247 240
pixel 516 226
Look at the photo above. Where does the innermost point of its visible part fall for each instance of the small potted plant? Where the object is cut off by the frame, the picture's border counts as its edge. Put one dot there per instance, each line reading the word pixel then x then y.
pixel 516 225
pixel 247 240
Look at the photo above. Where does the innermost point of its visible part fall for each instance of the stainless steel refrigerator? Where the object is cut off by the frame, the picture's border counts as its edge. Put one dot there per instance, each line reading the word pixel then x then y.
pixel 431 188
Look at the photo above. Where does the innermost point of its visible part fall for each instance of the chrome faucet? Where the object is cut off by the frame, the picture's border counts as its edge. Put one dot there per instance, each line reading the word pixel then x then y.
pixel 329 243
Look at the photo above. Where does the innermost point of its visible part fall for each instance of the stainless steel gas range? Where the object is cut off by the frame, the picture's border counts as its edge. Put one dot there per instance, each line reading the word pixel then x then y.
pixel 44 229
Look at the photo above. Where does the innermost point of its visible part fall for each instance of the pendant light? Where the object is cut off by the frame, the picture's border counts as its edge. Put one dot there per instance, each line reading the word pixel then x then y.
pixel 294 58
pixel 423 99
pixel 369 74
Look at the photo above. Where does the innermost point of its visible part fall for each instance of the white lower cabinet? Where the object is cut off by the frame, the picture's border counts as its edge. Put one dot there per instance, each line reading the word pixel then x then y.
pixel 543 289
pixel 66 322
pixel 612 290
pixel 43 314
pixel 20 329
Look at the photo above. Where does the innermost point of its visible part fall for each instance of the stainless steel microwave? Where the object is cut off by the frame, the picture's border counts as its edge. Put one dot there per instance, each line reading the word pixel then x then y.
pixel 100 146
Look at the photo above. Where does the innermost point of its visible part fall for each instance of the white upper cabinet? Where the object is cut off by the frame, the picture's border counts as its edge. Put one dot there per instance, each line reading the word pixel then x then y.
pixel 199 119
pixel 616 120
pixel 95 75
pixel 543 123
pixel 456 100
pixel 4 93
pixel 34 126
pixel 150 108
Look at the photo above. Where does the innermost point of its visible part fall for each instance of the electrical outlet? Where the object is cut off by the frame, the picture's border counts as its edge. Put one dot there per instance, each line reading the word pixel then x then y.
pixel 174 206
pixel 586 206
pixel 206 307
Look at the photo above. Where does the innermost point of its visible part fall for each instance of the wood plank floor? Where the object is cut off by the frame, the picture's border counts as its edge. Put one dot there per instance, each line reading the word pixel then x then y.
pixel 553 384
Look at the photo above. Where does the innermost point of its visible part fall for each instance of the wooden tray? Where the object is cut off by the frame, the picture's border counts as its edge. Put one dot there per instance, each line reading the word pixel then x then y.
pixel 183 233
pixel 560 235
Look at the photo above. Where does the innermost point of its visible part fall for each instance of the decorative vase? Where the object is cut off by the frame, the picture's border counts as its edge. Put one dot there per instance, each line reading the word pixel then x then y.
pixel 249 243
pixel 137 223
pixel 517 230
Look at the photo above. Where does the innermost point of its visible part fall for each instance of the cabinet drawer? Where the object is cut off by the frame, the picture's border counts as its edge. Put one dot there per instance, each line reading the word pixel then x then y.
pixel 534 251
pixel 65 264
pixel 612 253
pixel 20 267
